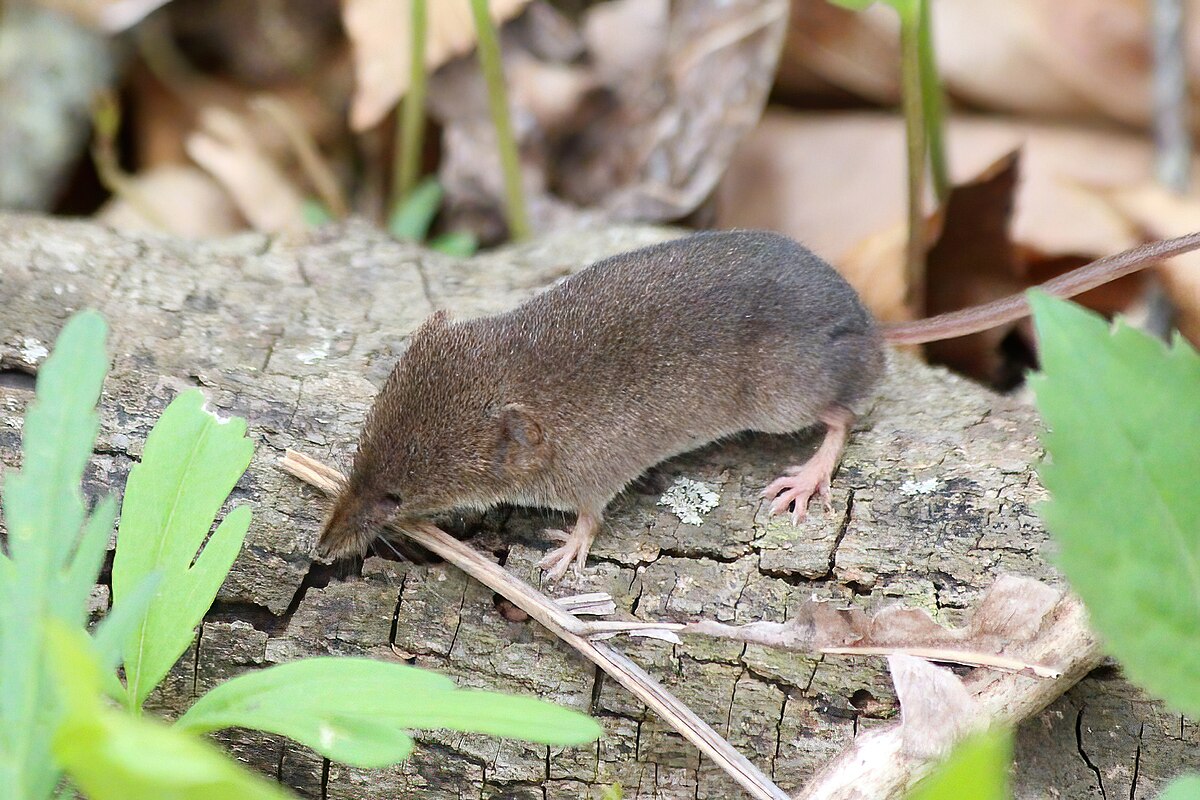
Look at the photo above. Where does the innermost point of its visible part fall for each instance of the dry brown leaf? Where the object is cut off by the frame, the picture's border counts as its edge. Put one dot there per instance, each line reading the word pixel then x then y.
pixel 1009 615
pixel 1161 214
pixel 226 148
pixel 874 267
pixel 258 45
pixel 166 116
pixel 1061 58
pixel 551 92
pixel 836 182
pixel 830 50
pixel 936 710
pixel 876 763
pixel 974 261
pixel 833 179
pixel 551 35
pixel 626 38
pixel 992 54
pixel 185 199
pixel 660 150
pixel 644 133
pixel 1098 48
pixel 380 32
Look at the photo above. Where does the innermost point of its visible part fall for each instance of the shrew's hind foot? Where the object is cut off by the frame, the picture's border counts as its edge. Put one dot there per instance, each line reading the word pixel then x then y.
pixel 799 484
pixel 575 546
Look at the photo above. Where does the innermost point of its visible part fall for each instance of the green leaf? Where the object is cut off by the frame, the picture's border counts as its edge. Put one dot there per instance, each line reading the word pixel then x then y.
pixel 84 569
pixel 413 216
pixel 110 755
pixel 1124 453
pixel 122 620
pixel 43 505
pixel 190 464
pixel 460 244
pixel 976 770
pixel 320 703
pixel 1184 788
pixel 44 510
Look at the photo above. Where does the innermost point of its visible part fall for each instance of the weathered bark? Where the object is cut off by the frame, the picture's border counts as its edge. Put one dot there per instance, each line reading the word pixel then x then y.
pixel 935 498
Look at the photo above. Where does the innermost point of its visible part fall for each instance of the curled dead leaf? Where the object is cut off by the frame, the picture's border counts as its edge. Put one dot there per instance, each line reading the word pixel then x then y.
pixel 642 129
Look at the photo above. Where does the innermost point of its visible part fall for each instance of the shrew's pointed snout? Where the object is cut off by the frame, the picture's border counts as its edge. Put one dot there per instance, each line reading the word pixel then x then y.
pixel 354 523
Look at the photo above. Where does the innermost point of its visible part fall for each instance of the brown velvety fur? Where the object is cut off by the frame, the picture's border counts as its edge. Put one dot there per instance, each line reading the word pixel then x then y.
pixel 565 400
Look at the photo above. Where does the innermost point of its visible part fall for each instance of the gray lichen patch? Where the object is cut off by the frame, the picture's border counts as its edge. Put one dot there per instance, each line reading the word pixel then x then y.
pixel 690 500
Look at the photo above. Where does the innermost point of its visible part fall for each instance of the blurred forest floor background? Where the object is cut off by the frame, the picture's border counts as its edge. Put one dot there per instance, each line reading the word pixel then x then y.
pixel 203 118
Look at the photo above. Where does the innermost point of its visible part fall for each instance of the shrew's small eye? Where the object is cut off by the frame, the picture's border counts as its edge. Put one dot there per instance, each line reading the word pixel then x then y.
pixel 393 499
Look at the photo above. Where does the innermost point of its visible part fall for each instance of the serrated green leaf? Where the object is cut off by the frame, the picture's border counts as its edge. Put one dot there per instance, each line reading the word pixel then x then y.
pixel 190 463
pixel 84 569
pixel 976 770
pixel 115 629
pixel 43 509
pixel 43 504
pixel 358 711
pixel 496 714
pixel 110 755
pixel 412 217
pixel 1184 788
pixel 1123 456
pixel 119 624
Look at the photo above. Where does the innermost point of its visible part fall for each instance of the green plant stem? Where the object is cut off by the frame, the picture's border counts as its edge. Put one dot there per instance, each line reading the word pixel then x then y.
pixel 410 124
pixel 915 135
pixel 493 73
pixel 933 103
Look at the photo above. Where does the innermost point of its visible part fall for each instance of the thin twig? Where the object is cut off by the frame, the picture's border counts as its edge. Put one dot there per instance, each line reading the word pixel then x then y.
pixel 566 627
pixel 950 656
pixel 312 162
pixel 106 120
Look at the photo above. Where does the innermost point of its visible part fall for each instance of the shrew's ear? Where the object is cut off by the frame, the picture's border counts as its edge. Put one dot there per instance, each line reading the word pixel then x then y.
pixel 438 319
pixel 522 442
